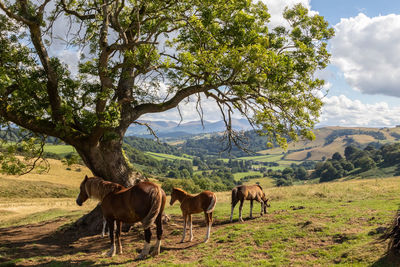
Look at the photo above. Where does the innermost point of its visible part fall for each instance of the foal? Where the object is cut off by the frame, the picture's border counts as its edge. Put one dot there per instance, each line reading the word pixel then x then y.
pixel 248 192
pixel 190 204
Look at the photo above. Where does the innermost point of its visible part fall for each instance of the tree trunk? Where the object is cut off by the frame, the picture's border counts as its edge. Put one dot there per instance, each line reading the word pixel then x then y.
pixel 105 160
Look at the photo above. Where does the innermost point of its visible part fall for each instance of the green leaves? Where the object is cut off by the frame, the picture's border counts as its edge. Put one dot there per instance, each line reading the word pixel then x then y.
pixel 132 49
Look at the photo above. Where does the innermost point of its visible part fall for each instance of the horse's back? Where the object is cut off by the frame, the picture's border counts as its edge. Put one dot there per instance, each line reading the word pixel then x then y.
pixel 134 203
pixel 197 203
pixel 246 192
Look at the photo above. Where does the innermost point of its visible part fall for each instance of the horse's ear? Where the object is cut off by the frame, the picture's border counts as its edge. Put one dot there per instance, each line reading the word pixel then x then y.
pixel 86 177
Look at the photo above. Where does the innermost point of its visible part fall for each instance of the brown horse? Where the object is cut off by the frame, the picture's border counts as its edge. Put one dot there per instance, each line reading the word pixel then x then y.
pixel 142 202
pixel 248 192
pixel 97 188
pixel 190 204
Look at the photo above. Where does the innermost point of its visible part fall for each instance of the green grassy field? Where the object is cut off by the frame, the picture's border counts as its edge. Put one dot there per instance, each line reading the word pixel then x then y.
pixel 59 149
pixel 309 225
pixel 240 175
pixel 161 156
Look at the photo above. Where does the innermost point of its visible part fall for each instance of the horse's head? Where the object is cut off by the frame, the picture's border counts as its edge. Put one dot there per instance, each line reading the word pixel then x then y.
pixel 266 204
pixel 174 196
pixel 83 196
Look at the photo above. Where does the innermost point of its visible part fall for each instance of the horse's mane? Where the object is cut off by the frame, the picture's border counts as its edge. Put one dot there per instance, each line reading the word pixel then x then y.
pixel 259 187
pixel 98 188
pixel 179 190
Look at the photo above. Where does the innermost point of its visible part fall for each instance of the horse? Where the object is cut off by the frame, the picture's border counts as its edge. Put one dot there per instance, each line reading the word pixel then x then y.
pixel 97 188
pixel 142 202
pixel 190 204
pixel 248 192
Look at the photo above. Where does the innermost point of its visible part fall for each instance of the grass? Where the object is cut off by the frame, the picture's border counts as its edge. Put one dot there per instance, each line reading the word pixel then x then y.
pixel 59 149
pixel 239 175
pixel 310 225
pixel 161 156
pixel 41 216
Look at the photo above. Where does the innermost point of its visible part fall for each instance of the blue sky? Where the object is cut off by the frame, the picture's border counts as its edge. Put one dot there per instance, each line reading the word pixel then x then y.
pixel 334 10
pixel 364 66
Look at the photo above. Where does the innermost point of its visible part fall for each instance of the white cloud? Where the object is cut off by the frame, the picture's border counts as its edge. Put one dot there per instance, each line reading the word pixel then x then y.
pixel 340 110
pixel 366 50
pixel 276 8
pixel 189 111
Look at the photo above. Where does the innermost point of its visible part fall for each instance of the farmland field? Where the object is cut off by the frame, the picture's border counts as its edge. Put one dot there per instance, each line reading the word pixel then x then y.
pixel 162 156
pixel 309 225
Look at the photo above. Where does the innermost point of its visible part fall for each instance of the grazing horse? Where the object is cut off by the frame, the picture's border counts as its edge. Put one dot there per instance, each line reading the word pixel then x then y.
pixel 190 204
pixel 142 202
pixel 248 192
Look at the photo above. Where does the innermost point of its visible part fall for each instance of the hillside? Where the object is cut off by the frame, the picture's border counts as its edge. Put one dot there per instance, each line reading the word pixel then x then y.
pixel 328 140
pixel 308 225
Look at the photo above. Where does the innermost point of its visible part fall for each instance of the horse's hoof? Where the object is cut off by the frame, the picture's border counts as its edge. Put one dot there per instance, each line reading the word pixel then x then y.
pixel 155 253
pixel 111 254
pixel 182 241
pixel 205 241
pixel 141 257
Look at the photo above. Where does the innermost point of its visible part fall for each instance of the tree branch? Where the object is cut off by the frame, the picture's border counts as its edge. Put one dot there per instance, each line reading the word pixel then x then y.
pixel 172 103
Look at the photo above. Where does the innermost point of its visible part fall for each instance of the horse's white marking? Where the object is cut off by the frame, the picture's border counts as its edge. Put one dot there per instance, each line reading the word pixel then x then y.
pixel 208 233
pixel 145 251
pixel 112 250
pixel 103 232
pixel 157 248
pixel 190 227
pixel 184 229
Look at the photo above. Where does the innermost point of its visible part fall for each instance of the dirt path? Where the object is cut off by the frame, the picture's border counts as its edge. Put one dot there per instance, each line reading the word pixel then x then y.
pixel 45 244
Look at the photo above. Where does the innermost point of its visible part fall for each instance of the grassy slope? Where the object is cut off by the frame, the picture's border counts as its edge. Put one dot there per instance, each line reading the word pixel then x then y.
pixel 311 225
pixel 27 198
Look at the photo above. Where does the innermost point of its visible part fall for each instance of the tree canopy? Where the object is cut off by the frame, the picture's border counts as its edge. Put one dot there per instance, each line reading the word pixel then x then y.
pixel 141 57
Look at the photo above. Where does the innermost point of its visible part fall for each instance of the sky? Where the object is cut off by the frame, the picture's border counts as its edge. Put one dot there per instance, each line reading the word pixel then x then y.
pixel 363 78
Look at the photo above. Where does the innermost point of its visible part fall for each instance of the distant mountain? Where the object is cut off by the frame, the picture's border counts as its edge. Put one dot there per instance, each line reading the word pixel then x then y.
pixel 193 127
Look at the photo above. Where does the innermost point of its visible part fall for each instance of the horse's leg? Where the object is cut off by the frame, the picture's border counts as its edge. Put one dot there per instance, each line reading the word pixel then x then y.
pixel 262 208
pixel 184 228
pixel 234 202
pixel 190 227
pixel 156 250
pixel 251 209
pixel 146 248
pixel 208 217
pixel 118 236
pixel 103 232
pixel 111 234
pixel 240 210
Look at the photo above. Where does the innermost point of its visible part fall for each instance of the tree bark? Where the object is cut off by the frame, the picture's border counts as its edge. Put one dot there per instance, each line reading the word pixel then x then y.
pixel 106 160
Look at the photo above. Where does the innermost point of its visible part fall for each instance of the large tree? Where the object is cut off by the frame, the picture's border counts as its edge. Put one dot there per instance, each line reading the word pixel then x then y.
pixel 140 57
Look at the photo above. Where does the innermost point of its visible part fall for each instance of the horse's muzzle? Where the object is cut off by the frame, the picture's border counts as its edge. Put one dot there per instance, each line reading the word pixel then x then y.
pixel 78 202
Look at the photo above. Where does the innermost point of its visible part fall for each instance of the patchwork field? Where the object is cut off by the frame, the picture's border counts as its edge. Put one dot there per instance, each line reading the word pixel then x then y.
pixel 309 225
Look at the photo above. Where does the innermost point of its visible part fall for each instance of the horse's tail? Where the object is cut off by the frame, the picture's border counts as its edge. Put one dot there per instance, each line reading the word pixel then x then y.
pixel 234 196
pixel 156 201
pixel 212 204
